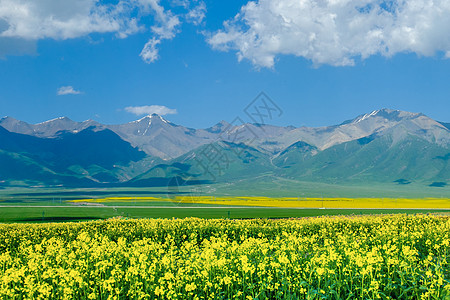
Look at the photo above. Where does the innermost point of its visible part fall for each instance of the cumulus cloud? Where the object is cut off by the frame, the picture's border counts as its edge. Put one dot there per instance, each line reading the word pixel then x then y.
pixel 335 32
pixel 32 20
pixel 150 109
pixel 67 90
pixel 60 19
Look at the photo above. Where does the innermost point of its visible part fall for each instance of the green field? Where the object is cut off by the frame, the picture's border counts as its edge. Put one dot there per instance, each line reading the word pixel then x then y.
pixel 51 205
pixel 60 214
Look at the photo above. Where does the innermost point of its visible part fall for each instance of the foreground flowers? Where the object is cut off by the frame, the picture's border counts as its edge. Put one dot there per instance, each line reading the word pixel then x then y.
pixel 389 257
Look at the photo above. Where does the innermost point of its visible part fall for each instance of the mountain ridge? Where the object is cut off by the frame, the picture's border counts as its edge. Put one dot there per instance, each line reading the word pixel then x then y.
pixel 382 145
pixel 161 138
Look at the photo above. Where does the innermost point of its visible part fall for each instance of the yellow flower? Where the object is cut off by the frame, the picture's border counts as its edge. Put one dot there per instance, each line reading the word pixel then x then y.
pixel 190 287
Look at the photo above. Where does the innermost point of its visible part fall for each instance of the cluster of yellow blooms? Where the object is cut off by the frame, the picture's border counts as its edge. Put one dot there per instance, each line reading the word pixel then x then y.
pixel 371 257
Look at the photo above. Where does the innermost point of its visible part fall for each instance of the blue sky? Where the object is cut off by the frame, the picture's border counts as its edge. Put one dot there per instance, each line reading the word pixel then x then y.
pixel 322 62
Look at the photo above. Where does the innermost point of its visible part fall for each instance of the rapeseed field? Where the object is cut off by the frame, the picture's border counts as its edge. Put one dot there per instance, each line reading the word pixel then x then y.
pixel 285 202
pixel 369 257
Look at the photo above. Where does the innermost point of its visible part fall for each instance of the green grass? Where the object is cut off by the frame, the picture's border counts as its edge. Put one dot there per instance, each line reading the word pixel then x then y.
pixel 262 186
pixel 281 187
pixel 31 198
pixel 64 214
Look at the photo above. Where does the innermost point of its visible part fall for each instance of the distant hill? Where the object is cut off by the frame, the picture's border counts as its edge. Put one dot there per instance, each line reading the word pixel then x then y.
pixel 89 155
pixel 375 158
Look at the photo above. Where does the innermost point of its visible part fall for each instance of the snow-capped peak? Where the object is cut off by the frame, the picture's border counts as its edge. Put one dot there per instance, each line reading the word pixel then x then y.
pixel 150 118
pixel 52 120
pixel 394 115
pixel 140 120
pixel 158 117
pixel 365 116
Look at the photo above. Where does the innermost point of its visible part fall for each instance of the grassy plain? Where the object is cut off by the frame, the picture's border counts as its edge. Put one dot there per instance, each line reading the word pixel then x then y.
pixel 64 214
pixel 214 201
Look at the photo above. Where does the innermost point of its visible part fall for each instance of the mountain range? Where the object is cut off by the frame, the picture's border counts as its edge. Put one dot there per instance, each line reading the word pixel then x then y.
pixel 381 146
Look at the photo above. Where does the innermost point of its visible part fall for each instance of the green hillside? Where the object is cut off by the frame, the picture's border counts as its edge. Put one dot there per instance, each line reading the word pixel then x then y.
pixel 372 159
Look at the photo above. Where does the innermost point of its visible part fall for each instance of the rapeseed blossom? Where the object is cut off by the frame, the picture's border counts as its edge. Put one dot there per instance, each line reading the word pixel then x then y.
pixel 369 257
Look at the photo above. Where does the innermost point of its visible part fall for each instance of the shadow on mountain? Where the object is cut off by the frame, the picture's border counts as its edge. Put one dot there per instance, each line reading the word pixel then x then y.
pixel 443 157
pixel 165 182
pixel 366 140
pixel 438 184
pixel 402 181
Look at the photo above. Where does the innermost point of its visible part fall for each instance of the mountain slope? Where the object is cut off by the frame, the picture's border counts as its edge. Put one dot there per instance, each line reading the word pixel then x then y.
pixel 295 154
pixel 159 137
pixel 89 153
pixel 374 159
pixel 20 169
pixel 365 125
pixel 220 161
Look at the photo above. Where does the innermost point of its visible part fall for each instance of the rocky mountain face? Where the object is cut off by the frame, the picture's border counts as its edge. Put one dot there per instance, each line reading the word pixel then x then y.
pixel 377 122
pixel 48 128
pixel 383 145
pixel 161 138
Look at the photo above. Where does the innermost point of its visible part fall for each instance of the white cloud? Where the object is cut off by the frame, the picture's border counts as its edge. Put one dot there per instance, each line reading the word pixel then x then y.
pixel 150 53
pixel 60 19
pixel 150 109
pixel 167 24
pixel 32 20
pixel 335 32
pixel 197 14
pixel 165 29
pixel 67 90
